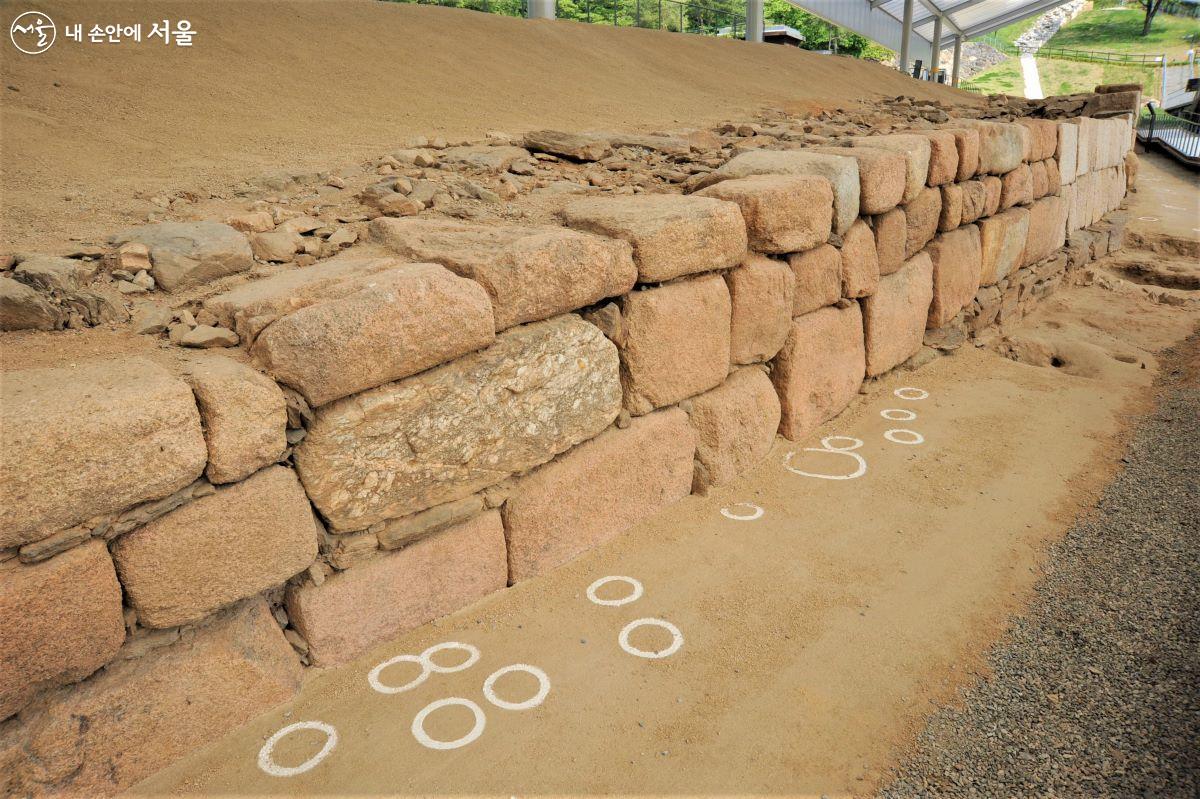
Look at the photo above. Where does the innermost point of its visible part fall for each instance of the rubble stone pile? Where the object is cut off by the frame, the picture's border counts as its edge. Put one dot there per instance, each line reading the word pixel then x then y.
pixel 381 394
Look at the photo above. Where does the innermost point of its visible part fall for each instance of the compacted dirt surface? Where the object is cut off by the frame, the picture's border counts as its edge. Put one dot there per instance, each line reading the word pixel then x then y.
pixel 817 637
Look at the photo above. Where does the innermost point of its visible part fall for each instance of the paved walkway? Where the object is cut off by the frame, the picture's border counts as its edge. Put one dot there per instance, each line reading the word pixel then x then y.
pixel 1033 81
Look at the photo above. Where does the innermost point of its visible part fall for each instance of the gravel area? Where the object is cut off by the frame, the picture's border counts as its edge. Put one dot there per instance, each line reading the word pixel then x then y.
pixel 1096 690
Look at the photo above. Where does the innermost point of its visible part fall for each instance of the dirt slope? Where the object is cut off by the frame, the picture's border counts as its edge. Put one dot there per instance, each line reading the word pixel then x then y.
pixel 312 84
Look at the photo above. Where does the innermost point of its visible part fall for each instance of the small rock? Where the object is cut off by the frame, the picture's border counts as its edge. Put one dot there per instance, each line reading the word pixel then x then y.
pixel 206 336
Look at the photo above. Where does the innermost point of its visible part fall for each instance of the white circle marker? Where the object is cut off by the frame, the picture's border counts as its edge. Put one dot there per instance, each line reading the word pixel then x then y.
pixel 828 447
pixel 898 414
pixel 377 684
pixel 268 764
pixel 427 657
pixel 543 687
pixel 418 725
pixel 1148 218
pixel 892 435
pixel 910 393
pixel 676 638
pixel 634 595
pixel 755 512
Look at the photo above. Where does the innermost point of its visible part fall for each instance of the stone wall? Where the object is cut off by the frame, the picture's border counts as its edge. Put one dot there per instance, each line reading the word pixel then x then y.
pixel 411 425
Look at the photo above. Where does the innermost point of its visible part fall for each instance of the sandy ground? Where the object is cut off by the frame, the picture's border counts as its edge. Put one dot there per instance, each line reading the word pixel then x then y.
pixel 90 130
pixel 817 638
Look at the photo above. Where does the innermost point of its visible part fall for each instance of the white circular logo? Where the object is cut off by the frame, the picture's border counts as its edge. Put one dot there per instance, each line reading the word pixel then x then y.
pixel 33 32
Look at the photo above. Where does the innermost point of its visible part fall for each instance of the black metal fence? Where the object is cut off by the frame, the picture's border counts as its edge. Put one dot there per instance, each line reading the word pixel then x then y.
pixel 1177 134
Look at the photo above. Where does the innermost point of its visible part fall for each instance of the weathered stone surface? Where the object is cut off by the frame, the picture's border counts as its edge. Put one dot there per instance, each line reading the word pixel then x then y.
pixel 1053 177
pixel 1037 180
pixel 276 246
pixel 916 151
pixel 375 601
pixel 1131 170
pixel 992 187
pixel 576 146
pixel 139 715
pixel 957 262
pixel 488 158
pixel 399 322
pixel 215 550
pixel 530 273
pixel 1001 145
pixel 952 207
pixel 1067 153
pixel 922 216
pixel 974 201
pixel 24 308
pixel 882 176
pixel 395 533
pixel 53 274
pixel 891 239
pixel 244 416
pixel 966 141
pixel 943 157
pixel 90 440
pixel 204 337
pixel 894 316
pixel 190 253
pixel 597 491
pixel 860 261
pixel 1002 244
pixel 818 274
pixel 671 235
pixel 735 426
pixel 450 431
pixel 1016 187
pixel 674 342
pixel 60 620
pixel 819 369
pixel 1047 229
pixel 783 213
pixel 1043 137
pixel 840 171
pixel 761 293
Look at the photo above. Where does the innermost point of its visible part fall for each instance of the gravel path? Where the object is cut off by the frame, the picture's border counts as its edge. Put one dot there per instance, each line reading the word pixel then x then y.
pixel 1096 691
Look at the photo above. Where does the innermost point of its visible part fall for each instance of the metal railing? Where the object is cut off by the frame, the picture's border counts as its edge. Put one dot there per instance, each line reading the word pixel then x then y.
pixel 1177 134
pixel 1098 56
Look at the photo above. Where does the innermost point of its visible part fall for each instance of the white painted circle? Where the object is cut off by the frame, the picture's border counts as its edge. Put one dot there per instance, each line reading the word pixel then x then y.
pixel 634 595
pixel 268 764
pixel 418 725
pixel 898 414
pixel 377 684
pixel 910 393
pixel 543 687
pixel 917 438
pixel 676 638
pixel 427 657
pixel 859 470
pixel 755 512
pixel 1148 218
pixel 855 443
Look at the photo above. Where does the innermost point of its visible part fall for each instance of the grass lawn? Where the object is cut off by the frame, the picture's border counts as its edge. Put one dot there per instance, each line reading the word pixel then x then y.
pixel 1062 77
pixel 1119 31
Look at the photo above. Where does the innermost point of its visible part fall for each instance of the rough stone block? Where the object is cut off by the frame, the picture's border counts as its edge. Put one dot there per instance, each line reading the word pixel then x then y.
pixel 922 215
pixel 26 308
pixel 1016 187
pixel 882 176
pixel 1002 244
pixel 396 533
pixel 218 549
pixel 373 602
pixel 452 430
pixel 762 294
pixel 1131 170
pixel 491 158
pixel 597 491
pixel 974 201
pixel 860 261
pixel 1053 177
pixel 1037 180
pixel 576 146
pixel 894 316
pixel 735 426
pixel 91 440
pixel 243 413
pixel 891 239
pixel 957 263
pixel 840 171
pixel 1086 154
pixel 943 156
pixel 1047 229
pixel 140 715
pixel 818 278
pixel 1067 153
pixel 916 151
pixel 530 273
pixel 60 620
pixel 820 368
pixel 674 342
pixel 396 323
pixel 1001 145
pixel 952 207
pixel 783 213
pixel 671 235
pixel 1043 137
pixel 187 254
pixel 966 140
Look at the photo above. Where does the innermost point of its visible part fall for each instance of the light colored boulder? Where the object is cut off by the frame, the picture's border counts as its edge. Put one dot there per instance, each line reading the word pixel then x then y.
pixel 783 213
pixel 50 273
pixel 922 216
pixel 1016 187
pixel 530 273
pixel 1043 137
pixel 894 316
pixel 820 368
pixel 1001 145
pixel 450 431
pixel 671 235
pixel 957 263
pixel 761 293
pixel 916 150
pixel 597 491
pixel 25 308
pixel 818 274
pixel 891 239
pixel 882 176
pixel 187 254
pixel 860 261
pixel 840 171
pixel 952 207
pixel 735 426
pixel 1002 244
pixel 78 442
pixel 576 146
pixel 943 156
pixel 966 141
pixel 484 157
